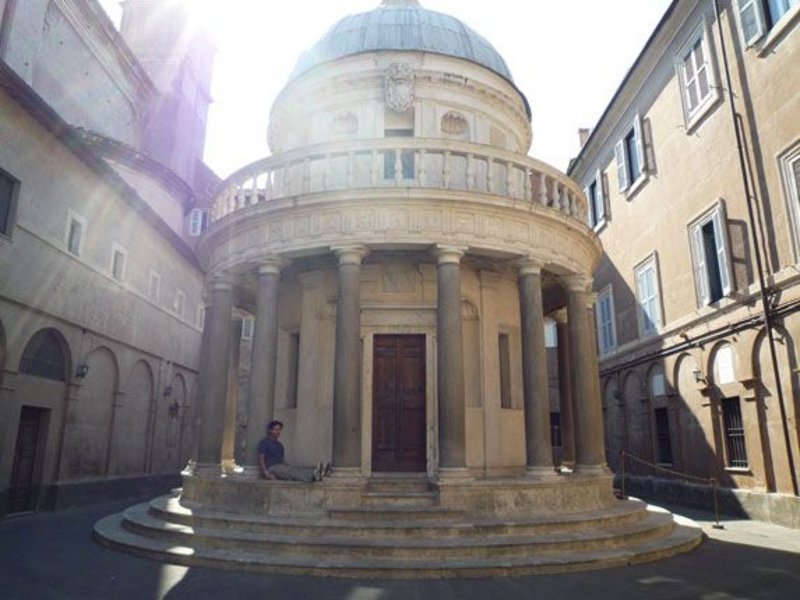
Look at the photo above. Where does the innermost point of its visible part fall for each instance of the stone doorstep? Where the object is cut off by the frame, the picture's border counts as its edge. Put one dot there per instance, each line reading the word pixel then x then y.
pixel 138 520
pixel 109 533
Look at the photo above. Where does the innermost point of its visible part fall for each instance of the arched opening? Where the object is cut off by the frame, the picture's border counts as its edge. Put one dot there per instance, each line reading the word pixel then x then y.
pixel 45 356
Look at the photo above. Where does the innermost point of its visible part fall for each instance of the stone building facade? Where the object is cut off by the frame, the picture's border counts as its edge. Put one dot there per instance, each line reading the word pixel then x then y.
pixel 101 294
pixel 692 175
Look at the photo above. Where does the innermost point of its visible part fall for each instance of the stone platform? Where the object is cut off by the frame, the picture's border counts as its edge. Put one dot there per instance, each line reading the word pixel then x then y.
pixel 398 527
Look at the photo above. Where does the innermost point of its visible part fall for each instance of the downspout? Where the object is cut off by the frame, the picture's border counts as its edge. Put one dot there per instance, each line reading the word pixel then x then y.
pixel 763 292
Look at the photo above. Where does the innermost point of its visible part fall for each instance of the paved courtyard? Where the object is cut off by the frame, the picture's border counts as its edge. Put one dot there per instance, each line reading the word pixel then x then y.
pixel 52 556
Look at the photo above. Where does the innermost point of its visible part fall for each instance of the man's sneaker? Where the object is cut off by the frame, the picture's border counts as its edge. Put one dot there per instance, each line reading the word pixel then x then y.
pixel 318 470
pixel 327 469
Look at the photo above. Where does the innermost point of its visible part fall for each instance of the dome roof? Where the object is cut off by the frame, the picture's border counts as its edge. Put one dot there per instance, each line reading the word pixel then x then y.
pixel 402 25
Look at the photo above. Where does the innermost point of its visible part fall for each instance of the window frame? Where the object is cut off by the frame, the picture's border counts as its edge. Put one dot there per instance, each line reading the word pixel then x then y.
pixel 717 215
pixel 663 436
pixel 154 276
pixel 248 328
pixel 74 217
pixel 790 177
pixel 766 30
pixel 14 185
pixel 651 262
pixel 606 292
pixel 595 192
pixel 117 249
pixel 623 160
pixel 731 434
pixel 198 221
pixel 693 116
pixel 180 303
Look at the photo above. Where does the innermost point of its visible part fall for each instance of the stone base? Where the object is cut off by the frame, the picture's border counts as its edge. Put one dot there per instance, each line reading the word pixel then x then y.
pixel 395 527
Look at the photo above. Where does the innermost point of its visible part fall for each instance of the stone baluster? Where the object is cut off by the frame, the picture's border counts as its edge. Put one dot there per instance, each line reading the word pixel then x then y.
pixel 351 160
pixel 422 172
pixel 268 185
pixel 450 360
pixel 527 186
pixel 446 168
pixel 326 173
pixel 374 169
pixel 489 175
pixel 510 188
pixel 398 166
pixel 347 379
pixel 543 190
pixel 286 183
pixel 306 175
pixel 470 171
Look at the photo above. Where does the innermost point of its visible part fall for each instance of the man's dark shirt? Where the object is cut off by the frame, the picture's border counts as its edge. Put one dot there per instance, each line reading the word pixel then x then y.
pixel 272 450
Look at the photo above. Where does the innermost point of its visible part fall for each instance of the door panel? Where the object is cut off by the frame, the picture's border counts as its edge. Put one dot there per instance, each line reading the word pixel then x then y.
pixel 398 393
pixel 23 492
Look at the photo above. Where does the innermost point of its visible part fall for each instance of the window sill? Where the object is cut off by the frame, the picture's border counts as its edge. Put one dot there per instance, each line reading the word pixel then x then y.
pixel 778 31
pixel 600 226
pixel 634 188
pixel 694 120
pixel 739 470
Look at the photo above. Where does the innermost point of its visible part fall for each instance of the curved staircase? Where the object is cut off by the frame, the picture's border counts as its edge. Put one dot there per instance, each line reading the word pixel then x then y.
pixel 399 531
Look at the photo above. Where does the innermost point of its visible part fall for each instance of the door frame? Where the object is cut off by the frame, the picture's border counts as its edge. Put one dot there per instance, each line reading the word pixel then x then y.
pixel 368 345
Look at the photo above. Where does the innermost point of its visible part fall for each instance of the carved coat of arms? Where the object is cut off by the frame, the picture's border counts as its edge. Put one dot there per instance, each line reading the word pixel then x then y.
pixel 399 84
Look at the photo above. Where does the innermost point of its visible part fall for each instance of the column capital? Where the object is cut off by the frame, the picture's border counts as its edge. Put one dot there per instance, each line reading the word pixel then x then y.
pixel 350 254
pixel 559 316
pixel 222 281
pixel 529 265
pixel 591 300
pixel 579 282
pixel 271 265
pixel 449 254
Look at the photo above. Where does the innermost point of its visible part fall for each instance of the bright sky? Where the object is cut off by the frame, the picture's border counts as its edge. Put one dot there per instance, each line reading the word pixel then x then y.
pixel 568 58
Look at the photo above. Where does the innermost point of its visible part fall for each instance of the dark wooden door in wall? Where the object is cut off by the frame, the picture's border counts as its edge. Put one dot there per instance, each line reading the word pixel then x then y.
pixel 24 487
pixel 398 403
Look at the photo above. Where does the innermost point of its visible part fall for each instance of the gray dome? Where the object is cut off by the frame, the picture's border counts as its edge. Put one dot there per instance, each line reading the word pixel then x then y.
pixel 402 25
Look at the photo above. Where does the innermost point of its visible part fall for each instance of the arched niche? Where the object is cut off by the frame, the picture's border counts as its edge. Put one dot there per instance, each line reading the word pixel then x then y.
pixel 131 421
pixel 697 444
pixel 46 355
pixel 89 422
pixel 657 381
pixel 723 364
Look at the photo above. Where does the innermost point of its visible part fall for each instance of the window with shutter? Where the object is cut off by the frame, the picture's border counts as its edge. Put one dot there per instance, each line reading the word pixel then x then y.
pixel 604 310
pixel 9 188
pixel 696 71
pixel 758 17
pixel 648 293
pixel 622 165
pixel 629 153
pixel 709 238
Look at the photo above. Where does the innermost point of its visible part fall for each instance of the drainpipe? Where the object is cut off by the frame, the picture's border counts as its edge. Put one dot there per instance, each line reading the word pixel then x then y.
pixel 763 292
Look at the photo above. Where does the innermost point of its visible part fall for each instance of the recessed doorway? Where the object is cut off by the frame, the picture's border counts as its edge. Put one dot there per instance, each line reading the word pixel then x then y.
pixel 398 403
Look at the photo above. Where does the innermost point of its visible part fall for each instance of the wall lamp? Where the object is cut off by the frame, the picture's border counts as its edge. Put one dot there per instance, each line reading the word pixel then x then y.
pixel 698 375
pixel 167 391
pixel 82 371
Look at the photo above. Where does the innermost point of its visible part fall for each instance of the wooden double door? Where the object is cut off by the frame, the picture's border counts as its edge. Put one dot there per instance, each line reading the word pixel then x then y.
pixel 398 403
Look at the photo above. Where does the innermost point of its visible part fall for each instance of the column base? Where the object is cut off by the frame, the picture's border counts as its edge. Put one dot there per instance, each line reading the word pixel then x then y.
pixel 229 467
pixel 347 475
pixel 454 475
pixel 205 470
pixel 592 469
pixel 541 472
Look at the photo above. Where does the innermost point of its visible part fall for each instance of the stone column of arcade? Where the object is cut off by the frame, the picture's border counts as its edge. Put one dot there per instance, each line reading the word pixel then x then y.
pixel 589 444
pixel 450 364
pixel 347 365
pixel 213 380
pixel 565 389
pixel 261 408
pixel 536 393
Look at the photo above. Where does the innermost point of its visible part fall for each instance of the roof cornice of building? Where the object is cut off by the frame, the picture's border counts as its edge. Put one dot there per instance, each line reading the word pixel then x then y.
pixel 32 103
pixel 631 79
pixel 129 156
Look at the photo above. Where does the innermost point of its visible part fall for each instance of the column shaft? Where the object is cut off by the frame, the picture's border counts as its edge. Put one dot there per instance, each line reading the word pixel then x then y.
pixel 450 361
pixel 213 384
pixel 347 365
pixel 589 443
pixel 566 404
pixel 263 360
pixel 536 393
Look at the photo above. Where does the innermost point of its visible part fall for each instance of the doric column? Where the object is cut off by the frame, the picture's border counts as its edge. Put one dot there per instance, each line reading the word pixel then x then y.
pixel 536 392
pixel 214 361
pixel 347 365
pixel 264 356
pixel 566 405
pixel 232 398
pixel 589 450
pixel 450 359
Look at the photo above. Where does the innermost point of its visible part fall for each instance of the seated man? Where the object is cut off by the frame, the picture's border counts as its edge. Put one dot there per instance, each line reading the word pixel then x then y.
pixel 273 466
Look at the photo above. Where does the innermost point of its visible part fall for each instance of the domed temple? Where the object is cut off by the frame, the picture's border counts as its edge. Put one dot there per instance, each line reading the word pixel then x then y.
pixel 401 255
